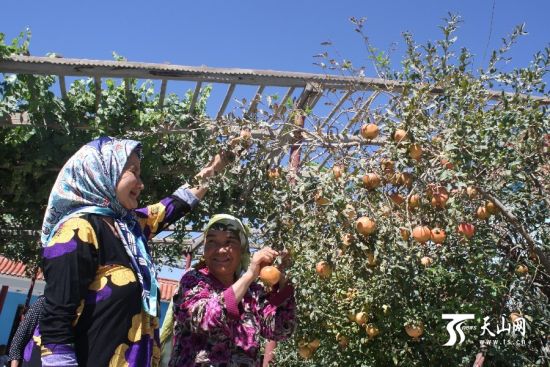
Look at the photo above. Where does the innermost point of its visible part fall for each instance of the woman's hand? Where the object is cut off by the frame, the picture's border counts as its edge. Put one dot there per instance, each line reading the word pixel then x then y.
pixel 261 258
pixel 217 164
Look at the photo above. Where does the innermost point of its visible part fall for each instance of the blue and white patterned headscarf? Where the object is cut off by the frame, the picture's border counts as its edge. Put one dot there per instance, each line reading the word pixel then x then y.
pixel 87 184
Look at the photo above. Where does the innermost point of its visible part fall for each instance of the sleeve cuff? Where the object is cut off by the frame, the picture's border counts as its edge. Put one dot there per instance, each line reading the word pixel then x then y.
pixel 281 295
pixel 187 196
pixel 231 303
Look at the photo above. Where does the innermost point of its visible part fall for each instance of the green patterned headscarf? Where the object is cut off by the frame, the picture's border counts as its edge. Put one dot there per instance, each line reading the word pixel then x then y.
pixel 226 222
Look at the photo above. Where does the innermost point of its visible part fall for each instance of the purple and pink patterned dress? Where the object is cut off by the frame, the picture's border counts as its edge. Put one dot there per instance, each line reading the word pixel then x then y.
pixel 211 329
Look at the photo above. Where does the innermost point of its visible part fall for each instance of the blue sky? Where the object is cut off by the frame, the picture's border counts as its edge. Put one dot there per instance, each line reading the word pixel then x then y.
pixel 281 35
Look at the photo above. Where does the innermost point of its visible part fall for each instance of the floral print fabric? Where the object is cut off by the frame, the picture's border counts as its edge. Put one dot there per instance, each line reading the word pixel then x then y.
pixel 212 329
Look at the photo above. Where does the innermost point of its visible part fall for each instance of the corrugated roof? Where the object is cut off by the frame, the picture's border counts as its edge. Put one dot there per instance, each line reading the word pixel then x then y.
pixel 18 269
pixel 126 69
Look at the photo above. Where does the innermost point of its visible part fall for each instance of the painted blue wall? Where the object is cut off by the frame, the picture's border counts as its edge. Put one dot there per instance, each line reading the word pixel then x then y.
pixel 10 306
pixel 8 313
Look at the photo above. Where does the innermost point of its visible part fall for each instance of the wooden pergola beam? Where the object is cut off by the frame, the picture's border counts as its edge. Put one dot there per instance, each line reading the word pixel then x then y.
pixel 194 98
pixel 20 64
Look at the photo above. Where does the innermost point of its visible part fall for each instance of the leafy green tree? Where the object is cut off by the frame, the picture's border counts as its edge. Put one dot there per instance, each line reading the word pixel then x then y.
pixel 449 155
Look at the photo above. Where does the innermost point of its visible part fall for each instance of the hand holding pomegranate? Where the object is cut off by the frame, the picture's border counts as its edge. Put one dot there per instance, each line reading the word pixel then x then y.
pixel 261 258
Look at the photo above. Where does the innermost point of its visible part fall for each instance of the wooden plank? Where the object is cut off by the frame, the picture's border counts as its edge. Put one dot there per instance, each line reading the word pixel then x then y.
pixel 97 85
pixel 127 83
pixel 162 92
pixel 255 100
pixel 62 86
pixel 194 98
pixel 336 108
pixel 313 101
pixel 225 101
pixel 309 96
pixel 287 95
pixel 302 98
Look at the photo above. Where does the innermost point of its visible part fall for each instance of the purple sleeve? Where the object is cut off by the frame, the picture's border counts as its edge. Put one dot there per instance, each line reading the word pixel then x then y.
pixel 197 304
pixel 154 218
pixel 57 355
pixel 231 303
pixel 278 314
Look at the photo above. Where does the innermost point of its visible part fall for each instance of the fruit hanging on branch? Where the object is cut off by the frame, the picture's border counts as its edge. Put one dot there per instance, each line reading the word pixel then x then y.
pixel 446 163
pixel 369 131
pixel 314 344
pixel 371 181
pixel 426 261
pixel 439 196
pixel 361 318
pixel 514 316
pixel 415 152
pixel 274 173
pixel 467 230
pixel 347 239
pixel 397 198
pixel 387 165
pixel 491 207
pixel 438 235
pixel 400 136
pixel 305 351
pixel 323 269
pixel 338 171
pixel 471 192
pixel 404 179
pixel 372 330
pixel 270 275
pixel 371 259
pixel 521 270
pixel 482 213
pixel 415 330
pixel 421 234
pixel 244 139
pixel 414 201
pixel 365 226
pixel 342 340
pixel 320 199
pixel 405 233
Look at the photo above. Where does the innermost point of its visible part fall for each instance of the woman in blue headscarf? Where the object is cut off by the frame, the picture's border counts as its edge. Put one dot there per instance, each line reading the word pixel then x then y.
pixel 101 306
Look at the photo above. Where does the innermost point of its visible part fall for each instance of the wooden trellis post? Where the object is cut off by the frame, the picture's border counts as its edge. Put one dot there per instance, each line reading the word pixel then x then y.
pixel 295 155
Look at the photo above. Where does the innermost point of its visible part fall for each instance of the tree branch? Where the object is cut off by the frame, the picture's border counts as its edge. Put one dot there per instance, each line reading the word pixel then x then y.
pixel 511 219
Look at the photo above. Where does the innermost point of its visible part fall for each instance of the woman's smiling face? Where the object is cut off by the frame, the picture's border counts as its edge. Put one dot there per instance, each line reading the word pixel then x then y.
pixel 222 254
pixel 129 185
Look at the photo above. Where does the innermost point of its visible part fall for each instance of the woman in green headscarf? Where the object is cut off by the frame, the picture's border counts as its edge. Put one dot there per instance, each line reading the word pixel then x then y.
pixel 220 311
